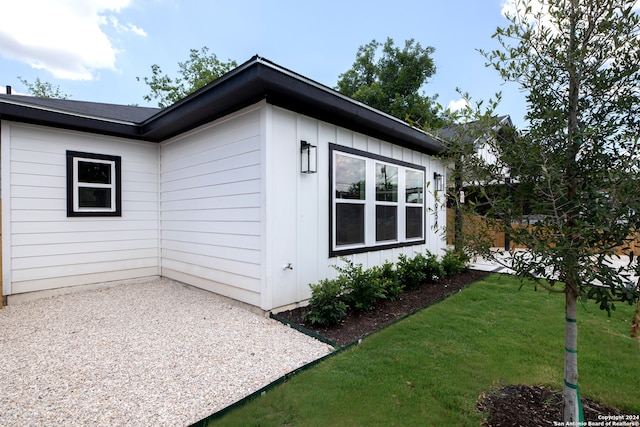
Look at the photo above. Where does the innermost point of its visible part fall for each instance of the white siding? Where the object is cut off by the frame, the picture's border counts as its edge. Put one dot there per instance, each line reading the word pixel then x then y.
pixel 49 250
pixel 298 205
pixel 211 207
pixel 223 207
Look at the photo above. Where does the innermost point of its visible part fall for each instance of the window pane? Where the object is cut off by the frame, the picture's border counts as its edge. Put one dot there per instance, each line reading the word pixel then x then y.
pixel 99 173
pixel 415 187
pixel 349 224
pixel 386 223
pixel 386 183
pixel 94 197
pixel 350 176
pixel 414 222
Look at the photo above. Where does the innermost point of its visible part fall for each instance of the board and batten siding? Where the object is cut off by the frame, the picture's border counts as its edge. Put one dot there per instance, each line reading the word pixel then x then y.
pixel 297 205
pixel 45 249
pixel 210 198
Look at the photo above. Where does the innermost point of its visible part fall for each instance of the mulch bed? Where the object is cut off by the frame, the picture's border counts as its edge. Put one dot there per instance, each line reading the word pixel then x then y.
pixel 512 405
pixel 524 405
pixel 361 323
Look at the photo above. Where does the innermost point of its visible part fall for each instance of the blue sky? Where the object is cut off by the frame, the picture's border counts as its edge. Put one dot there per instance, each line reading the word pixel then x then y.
pixel 94 49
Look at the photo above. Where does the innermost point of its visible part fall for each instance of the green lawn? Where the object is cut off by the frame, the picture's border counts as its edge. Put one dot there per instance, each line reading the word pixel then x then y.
pixel 429 369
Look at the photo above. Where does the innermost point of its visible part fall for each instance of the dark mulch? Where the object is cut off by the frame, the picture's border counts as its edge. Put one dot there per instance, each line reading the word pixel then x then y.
pixel 513 405
pixel 358 324
pixel 524 405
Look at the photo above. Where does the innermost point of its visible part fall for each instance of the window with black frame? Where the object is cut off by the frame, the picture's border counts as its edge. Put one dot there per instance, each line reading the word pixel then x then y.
pixel 376 202
pixel 93 184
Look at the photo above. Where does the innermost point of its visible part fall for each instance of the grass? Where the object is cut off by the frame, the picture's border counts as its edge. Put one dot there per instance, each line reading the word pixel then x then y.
pixel 430 368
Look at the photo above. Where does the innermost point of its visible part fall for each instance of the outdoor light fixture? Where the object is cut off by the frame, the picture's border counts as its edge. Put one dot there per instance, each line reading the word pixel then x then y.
pixel 438 182
pixel 308 158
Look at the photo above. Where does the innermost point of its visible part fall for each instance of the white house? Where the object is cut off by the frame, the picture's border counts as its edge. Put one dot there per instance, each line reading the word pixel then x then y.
pixel 252 187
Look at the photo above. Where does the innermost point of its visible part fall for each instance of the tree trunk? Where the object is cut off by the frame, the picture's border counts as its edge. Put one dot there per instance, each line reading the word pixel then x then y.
pixel 572 404
pixel 458 241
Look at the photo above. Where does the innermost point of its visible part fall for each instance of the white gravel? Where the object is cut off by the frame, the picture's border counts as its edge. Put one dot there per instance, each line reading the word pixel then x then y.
pixel 153 352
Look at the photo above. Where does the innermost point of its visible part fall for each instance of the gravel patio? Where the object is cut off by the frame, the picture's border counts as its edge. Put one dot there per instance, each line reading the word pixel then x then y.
pixel 148 352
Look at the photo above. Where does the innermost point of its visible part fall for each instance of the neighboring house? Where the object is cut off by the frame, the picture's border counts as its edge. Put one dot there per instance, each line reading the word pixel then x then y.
pixel 251 187
pixel 477 138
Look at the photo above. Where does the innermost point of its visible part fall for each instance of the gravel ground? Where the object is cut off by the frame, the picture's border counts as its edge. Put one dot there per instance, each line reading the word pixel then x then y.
pixel 152 352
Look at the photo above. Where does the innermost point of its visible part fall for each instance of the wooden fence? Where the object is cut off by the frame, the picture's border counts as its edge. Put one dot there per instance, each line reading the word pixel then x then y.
pixel 474 223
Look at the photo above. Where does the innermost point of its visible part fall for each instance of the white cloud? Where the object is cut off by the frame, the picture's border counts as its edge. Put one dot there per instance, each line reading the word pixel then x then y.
pixel 458 105
pixel 126 28
pixel 64 37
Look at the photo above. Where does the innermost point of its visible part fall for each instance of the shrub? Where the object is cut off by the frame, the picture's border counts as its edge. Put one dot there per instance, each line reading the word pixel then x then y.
pixel 454 262
pixel 411 272
pixel 433 269
pixel 326 306
pixel 359 289
pixel 392 287
pixel 362 287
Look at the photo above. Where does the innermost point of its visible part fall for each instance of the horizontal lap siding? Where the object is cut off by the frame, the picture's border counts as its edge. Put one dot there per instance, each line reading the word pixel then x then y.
pixel 49 249
pixel 210 203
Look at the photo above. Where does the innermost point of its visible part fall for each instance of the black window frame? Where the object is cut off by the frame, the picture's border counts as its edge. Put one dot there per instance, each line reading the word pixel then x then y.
pixel 73 187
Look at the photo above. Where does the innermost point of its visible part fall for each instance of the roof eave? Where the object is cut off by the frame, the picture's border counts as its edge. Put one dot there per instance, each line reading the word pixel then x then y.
pixel 253 81
pixel 259 79
pixel 24 113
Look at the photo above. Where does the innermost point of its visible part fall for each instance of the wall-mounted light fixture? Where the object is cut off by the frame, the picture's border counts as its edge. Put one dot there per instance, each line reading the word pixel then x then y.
pixel 438 182
pixel 308 158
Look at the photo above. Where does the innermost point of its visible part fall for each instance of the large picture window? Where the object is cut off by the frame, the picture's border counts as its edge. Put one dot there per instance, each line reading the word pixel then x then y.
pixel 93 184
pixel 376 202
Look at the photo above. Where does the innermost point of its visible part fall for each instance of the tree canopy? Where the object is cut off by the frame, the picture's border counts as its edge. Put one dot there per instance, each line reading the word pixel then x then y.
pixel 196 72
pixel 43 89
pixel 566 187
pixel 390 79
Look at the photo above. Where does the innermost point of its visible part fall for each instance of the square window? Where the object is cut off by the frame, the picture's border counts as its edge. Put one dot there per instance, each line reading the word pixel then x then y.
pixel 93 184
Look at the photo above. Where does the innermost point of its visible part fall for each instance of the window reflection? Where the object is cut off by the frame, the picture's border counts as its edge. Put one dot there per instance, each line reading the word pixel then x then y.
pixel 350 175
pixel 386 183
pixel 414 187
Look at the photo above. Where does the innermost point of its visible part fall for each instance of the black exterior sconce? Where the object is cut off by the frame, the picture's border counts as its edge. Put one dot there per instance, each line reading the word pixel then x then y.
pixel 308 158
pixel 438 182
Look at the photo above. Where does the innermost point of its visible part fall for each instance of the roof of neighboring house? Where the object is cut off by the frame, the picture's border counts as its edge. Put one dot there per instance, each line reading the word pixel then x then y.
pixel 449 132
pixel 255 80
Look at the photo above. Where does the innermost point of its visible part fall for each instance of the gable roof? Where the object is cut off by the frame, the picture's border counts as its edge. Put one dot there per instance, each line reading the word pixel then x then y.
pixel 449 132
pixel 253 81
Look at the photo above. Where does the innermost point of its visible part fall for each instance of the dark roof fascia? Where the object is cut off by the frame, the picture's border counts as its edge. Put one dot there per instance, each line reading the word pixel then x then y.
pixel 296 93
pixel 14 108
pixel 232 92
pixel 251 82
pixel 260 79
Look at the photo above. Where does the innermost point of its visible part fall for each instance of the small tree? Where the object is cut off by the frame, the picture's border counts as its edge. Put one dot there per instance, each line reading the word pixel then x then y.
pixel 199 70
pixel 43 89
pixel 391 80
pixel 566 187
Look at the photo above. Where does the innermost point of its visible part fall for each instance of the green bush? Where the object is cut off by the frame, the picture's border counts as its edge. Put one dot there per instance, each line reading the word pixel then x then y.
pixel 454 262
pixel 410 271
pixel 326 306
pixel 392 287
pixel 433 269
pixel 413 272
pixel 359 289
pixel 362 287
